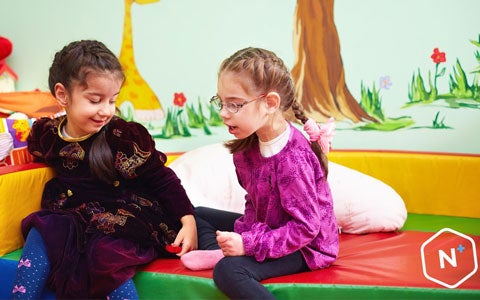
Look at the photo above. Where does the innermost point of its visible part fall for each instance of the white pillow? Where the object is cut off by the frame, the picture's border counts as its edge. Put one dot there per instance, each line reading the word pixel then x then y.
pixel 208 176
pixel 362 203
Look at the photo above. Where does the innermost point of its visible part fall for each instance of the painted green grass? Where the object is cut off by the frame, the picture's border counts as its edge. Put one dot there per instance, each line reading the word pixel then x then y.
pixel 461 92
pixel 177 124
pixel 371 102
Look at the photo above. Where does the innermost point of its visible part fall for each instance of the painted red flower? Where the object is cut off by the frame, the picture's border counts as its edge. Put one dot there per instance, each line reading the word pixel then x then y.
pixel 179 99
pixel 438 57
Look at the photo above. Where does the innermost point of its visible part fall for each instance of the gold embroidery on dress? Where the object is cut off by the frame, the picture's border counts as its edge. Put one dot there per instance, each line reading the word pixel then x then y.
pixel 127 165
pixel 144 202
pixel 105 222
pixel 55 123
pixel 124 212
pixel 71 154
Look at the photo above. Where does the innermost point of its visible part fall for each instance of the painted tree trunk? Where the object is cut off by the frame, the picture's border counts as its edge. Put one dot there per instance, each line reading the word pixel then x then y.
pixel 318 70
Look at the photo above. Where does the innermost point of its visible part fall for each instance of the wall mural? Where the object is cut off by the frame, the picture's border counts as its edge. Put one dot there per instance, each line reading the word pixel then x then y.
pixel 136 100
pixel 320 79
pixel 318 70
pixel 320 84
pixel 319 76
pixel 390 84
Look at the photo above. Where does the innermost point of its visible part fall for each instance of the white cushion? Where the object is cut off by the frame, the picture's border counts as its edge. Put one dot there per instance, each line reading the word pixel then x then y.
pixel 362 203
pixel 208 176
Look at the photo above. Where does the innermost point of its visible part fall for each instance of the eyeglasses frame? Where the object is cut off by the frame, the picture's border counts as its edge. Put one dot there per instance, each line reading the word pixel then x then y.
pixel 237 107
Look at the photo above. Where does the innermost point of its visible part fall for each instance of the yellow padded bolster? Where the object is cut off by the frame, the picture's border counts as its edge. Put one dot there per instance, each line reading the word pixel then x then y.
pixel 172 156
pixel 437 184
pixel 429 183
pixel 20 195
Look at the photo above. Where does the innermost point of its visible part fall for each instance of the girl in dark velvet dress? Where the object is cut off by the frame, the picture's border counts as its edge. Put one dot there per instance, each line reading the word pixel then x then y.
pixel 113 204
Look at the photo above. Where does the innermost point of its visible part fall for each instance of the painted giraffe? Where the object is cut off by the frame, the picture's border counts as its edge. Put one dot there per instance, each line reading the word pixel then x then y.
pixel 136 93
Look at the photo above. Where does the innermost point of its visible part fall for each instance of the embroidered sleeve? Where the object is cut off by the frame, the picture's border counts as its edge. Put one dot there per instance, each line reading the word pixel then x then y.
pixel 42 134
pixel 127 165
pixel 137 159
pixel 133 147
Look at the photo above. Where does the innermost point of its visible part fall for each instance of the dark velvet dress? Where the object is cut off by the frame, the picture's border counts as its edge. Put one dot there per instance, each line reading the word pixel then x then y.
pixel 96 233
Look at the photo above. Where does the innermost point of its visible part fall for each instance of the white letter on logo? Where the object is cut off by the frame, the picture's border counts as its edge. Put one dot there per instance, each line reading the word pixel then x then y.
pixel 452 260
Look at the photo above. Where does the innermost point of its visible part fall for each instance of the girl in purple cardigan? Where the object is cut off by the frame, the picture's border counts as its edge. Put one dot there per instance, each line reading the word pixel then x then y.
pixel 288 225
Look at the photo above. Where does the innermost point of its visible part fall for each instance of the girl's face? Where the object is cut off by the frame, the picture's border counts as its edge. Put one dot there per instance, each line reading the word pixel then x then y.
pixel 89 107
pixel 252 116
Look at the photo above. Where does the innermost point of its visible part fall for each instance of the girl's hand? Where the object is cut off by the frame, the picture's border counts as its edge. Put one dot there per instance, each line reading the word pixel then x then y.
pixel 231 243
pixel 187 236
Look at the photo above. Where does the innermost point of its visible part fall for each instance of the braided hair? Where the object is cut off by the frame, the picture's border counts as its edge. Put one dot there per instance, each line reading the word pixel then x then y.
pixel 268 73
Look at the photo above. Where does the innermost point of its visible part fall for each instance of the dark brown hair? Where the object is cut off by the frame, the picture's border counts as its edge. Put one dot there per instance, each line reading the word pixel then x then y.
pixel 71 66
pixel 268 73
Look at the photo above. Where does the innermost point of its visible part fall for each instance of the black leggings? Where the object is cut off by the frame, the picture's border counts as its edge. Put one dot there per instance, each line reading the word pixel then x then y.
pixel 239 277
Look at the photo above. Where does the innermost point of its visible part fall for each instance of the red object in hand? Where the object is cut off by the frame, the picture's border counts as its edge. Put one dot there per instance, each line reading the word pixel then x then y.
pixel 173 249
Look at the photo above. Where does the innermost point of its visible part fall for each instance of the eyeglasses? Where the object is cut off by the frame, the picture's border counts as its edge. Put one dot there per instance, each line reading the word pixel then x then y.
pixel 231 106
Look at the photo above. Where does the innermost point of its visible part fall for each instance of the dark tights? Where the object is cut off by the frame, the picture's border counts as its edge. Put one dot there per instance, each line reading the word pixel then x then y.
pixel 239 277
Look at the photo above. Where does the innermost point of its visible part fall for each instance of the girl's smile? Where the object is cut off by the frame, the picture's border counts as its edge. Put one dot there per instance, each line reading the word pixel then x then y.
pixel 92 106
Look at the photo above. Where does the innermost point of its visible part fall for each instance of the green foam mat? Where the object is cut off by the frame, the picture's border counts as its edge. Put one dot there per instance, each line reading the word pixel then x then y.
pixel 434 223
pixel 166 286
pixel 151 285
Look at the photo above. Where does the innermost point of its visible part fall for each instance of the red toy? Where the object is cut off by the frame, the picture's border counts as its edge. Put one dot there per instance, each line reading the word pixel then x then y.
pixel 7 75
pixel 173 249
pixel 5 49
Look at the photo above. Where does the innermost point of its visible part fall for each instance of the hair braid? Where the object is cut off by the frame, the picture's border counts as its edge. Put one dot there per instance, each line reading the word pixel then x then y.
pixel 268 73
pixel 298 112
pixel 322 158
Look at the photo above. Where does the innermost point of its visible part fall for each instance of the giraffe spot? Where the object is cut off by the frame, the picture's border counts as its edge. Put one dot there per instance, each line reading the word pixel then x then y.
pixel 138 81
